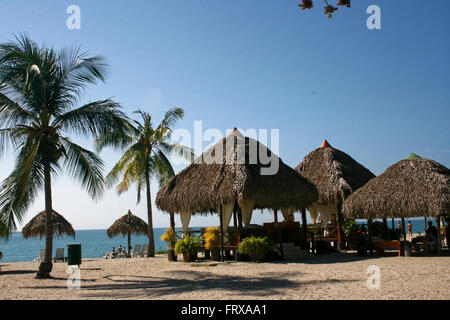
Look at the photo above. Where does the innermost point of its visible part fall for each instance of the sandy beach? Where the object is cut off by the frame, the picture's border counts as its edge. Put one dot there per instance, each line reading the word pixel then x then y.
pixel 321 277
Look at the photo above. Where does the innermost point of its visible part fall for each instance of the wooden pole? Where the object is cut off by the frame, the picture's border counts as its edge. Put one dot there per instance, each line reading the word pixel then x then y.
pixel 385 224
pixel 403 229
pixel 221 233
pixel 305 226
pixel 370 232
pixel 438 222
pixel 393 224
pixel 424 225
pixel 172 221
pixel 275 215
pixel 129 244
pixel 340 234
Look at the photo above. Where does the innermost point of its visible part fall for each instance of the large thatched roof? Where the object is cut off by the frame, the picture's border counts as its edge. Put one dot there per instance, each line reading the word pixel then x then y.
pixel 128 224
pixel 235 176
pixel 335 174
pixel 36 227
pixel 409 188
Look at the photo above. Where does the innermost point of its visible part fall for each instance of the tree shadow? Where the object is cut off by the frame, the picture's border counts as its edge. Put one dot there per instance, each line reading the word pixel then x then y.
pixel 192 282
pixel 16 272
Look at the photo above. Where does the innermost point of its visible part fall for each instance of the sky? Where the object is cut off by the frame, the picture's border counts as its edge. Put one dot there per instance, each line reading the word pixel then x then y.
pixel 377 95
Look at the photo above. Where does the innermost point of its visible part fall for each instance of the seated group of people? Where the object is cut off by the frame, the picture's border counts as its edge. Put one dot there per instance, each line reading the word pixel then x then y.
pixel 431 235
pixel 120 253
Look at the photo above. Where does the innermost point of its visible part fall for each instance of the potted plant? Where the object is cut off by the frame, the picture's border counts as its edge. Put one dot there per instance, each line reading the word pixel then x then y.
pixel 357 236
pixel 188 246
pixel 256 247
pixel 211 236
pixel 170 238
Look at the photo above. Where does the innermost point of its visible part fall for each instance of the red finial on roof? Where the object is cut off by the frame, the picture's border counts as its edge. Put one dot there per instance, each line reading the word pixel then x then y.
pixel 325 144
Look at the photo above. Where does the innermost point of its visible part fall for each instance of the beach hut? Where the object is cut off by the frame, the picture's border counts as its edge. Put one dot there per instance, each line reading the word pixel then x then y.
pixel 236 174
pixel 336 175
pixel 126 226
pixel 36 226
pixel 414 187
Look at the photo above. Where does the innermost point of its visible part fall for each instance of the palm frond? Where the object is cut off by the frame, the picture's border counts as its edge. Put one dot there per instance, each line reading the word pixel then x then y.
pixel 85 167
pixel 98 118
pixel 19 190
pixel 177 150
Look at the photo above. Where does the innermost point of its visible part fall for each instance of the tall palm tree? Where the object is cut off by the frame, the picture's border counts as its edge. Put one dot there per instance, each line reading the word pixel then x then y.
pixel 3 230
pixel 145 158
pixel 40 90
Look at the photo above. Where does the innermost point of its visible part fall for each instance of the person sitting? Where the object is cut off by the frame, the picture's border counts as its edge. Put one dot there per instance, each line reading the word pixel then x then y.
pixel 432 232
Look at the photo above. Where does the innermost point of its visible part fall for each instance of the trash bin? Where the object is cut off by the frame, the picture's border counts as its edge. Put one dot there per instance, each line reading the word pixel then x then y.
pixel 73 254
pixel 407 248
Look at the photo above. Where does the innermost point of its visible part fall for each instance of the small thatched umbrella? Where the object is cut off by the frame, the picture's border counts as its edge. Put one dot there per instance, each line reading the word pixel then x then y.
pixel 336 175
pixel 414 187
pixel 36 226
pixel 127 225
pixel 233 175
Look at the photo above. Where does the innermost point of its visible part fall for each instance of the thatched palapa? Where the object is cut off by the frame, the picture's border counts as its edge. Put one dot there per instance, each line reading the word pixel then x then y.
pixel 414 187
pixel 235 170
pixel 36 226
pixel 335 174
pixel 126 226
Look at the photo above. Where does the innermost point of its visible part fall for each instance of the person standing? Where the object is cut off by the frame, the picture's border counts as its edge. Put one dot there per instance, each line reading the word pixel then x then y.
pixel 410 229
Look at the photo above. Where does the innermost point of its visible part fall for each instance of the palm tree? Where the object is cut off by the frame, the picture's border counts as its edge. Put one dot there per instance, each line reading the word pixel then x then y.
pixel 39 93
pixel 3 230
pixel 145 158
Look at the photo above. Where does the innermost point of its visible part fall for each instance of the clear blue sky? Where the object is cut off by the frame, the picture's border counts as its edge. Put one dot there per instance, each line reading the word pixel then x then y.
pixel 376 94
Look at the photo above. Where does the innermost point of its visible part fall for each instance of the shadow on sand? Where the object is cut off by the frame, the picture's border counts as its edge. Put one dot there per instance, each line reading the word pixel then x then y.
pixel 123 286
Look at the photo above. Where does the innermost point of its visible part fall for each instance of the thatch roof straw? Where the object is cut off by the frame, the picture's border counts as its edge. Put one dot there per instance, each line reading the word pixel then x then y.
pixel 409 188
pixel 36 227
pixel 335 174
pixel 235 175
pixel 128 224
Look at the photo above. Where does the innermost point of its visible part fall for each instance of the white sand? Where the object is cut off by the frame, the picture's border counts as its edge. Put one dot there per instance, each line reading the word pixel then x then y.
pixel 328 276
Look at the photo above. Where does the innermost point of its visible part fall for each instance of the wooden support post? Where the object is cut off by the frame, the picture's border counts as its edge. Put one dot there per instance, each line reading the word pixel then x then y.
pixel 275 215
pixel 438 223
pixel 129 244
pixel 424 225
pixel 221 233
pixel 172 221
pixel 403 229
pixel 393 224
pixel 305 227
pixel 340 235
pixel 370 233
pixel 385 224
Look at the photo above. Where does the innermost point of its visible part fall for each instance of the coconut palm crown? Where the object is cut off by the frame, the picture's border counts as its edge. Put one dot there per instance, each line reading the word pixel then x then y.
pixel 40 91
pixel 145 158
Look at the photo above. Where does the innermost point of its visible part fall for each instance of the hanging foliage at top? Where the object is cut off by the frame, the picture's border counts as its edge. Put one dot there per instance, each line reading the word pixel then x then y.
pixel 329 9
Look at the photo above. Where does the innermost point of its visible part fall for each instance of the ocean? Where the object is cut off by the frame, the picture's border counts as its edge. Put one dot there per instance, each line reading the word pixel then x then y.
pixel 95 243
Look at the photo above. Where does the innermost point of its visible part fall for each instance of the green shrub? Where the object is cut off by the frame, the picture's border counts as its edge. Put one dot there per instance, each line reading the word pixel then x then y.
pixel 256 248
pixel 187 245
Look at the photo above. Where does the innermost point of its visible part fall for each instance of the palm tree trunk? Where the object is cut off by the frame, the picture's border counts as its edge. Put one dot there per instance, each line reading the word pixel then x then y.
pixel 151 249
pixel 46 266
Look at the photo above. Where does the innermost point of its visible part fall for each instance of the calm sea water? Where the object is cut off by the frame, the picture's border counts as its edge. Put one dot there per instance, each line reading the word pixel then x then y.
pixel 95 243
